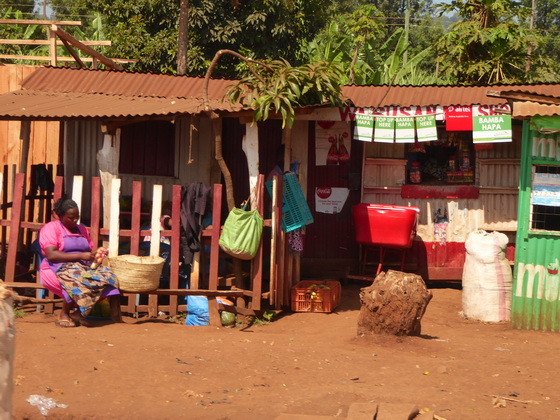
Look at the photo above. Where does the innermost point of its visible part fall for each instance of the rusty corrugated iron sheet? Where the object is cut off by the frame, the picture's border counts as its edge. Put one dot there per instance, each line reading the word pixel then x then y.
pixel 56 105
pixel 374 96
pixel 526 109
pixel 108 82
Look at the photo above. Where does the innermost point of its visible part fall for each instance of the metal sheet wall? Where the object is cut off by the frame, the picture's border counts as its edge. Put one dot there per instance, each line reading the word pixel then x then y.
pixel 536 283
pixel 194 162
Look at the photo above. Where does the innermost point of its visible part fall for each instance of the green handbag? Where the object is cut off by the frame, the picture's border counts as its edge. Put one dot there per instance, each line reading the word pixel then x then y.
pixel 241 234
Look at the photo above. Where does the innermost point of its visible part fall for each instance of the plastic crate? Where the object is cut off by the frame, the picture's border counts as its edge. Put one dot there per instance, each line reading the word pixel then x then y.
pixel 316 296
pixel 295 211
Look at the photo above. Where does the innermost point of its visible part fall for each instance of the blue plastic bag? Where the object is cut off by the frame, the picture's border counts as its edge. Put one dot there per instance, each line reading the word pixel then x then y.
pixel 197 307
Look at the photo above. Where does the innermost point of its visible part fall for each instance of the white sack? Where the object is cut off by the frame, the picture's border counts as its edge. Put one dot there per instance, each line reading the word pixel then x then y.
pixel 487 277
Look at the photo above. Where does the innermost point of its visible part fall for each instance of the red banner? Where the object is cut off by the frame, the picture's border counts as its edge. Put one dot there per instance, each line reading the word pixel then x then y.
pixel 458 118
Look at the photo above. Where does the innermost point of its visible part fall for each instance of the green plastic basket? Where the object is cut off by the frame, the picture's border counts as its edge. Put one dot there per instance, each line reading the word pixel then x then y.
pixel 295 211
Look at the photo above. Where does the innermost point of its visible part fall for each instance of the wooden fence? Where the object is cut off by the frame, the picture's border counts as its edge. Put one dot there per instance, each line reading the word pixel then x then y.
pixel 17 232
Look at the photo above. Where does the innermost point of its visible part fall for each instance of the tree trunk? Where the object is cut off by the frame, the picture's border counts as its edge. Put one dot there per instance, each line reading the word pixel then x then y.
pixel 183 37
pixel 393 305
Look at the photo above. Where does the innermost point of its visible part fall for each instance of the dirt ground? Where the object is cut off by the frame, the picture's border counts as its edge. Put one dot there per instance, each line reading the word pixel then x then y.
pixel 301 363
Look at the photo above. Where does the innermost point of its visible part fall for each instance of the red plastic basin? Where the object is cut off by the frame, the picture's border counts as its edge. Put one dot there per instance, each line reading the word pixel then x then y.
pixel 385 225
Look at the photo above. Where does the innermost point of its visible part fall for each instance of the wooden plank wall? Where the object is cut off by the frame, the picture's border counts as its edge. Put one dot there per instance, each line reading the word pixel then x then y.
pixel 44 142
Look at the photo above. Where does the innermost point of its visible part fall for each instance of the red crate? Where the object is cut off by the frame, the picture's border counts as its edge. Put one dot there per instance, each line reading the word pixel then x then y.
pixel 316 296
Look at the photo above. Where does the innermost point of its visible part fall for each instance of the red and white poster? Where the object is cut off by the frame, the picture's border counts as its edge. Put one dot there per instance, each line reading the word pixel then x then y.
pixel 332 143
pixel 330 200
pixel 458 118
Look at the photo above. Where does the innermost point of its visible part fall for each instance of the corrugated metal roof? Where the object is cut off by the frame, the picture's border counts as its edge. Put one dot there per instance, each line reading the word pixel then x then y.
pixel 61 93
pixel 375 96
pixel 107 82
pixel 526 109
pixel 55 105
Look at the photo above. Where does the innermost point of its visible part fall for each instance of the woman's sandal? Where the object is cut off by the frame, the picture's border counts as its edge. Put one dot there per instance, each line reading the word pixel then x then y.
pixel 65 323
pixel 77 317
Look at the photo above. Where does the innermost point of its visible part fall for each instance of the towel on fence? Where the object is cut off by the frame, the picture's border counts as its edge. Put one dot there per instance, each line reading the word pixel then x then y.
pixel 195 200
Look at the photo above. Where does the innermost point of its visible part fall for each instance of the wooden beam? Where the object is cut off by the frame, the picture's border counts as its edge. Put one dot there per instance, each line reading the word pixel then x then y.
pixel 46 42
pixel 40 22
pixel 88 50
pixel 73 54
pixel 66 59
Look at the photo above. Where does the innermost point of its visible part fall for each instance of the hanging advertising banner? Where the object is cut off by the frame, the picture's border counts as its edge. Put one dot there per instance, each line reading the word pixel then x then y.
pixel 364 127
pixel 330 200
pixel 458 118
pixel 384 130
pixel 426 128
pixel 546 190
pixel 404 129
pixel 490 127
pixel 350 113
pixel 332 143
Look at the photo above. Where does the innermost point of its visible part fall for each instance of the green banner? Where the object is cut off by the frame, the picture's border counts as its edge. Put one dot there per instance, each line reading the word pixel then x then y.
pixel 363 130
pixel 426 128
pixel 384 130
pixel 492 129
pixel 404 129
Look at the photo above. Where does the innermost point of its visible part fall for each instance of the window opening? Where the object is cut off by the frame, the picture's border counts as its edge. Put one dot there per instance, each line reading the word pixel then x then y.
pixel 449 160
pixel 545 198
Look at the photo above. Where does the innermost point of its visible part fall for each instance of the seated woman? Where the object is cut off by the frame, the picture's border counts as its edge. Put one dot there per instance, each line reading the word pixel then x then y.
pixel 66 269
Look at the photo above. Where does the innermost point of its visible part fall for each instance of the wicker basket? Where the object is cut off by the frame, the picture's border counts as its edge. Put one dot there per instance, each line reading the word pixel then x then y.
pixel 137 274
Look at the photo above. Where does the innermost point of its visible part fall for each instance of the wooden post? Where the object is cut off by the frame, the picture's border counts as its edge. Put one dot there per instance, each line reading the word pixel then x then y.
pixel 175 246
pixel 95 210
pixel 215 237
pixel 77 188
pixel 24 135
pixel 256 266
pixel 155 241
pixel 52 45
pixel 114 218
pixel 135 236
pixel 15 225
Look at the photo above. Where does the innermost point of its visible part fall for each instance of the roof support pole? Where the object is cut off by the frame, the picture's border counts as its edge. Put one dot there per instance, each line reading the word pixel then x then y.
pixel 24 135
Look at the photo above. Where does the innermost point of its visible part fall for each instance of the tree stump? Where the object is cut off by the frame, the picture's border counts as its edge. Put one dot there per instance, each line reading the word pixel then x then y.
pixel 393 305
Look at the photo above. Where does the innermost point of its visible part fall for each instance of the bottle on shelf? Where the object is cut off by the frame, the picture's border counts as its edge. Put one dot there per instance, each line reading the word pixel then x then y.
pixel 466 164
pixel 415 174
pixel 451 163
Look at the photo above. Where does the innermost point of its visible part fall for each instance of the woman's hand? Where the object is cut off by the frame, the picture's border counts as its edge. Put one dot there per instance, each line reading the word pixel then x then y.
pixel 87 256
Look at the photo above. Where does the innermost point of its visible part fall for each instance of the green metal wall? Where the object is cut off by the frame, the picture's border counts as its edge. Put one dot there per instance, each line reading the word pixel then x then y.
pixel 536 281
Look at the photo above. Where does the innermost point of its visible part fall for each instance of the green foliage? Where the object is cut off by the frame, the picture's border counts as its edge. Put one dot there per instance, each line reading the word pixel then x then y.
pixel 266 319
pixel 491 44
pixel 280 87
pixel 18 313
pixel 147 30
pixel 21 32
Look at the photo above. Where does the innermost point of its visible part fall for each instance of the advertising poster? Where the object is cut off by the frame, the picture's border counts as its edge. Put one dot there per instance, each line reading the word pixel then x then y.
pixel 332 143
pixel 384 130
pixel 404 129
pixel 364 127
pixel 458 118
pixel 330 200
pixel 426 128
pixel 492 129
pixel 546 190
